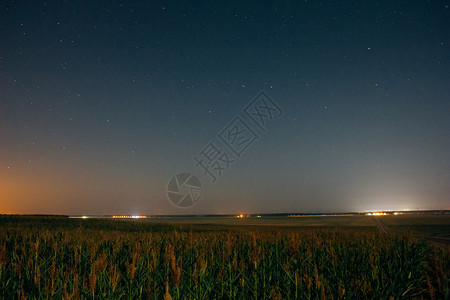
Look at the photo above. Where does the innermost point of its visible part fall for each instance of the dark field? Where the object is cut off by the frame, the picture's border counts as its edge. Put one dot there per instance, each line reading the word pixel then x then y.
pixel 319 257
pixel 420 225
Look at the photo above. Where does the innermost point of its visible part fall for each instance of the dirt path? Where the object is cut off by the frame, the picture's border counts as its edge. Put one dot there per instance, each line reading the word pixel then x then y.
pixel 381 226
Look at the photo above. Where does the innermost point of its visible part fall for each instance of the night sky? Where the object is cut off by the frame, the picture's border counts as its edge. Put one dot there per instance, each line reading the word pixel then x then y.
pixel 102 102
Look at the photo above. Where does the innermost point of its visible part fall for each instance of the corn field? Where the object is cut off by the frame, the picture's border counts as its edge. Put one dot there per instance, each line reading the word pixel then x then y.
pixel 90 259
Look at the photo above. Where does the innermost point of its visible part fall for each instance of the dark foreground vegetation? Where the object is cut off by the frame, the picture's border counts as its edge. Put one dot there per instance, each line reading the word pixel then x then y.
pixel 42 257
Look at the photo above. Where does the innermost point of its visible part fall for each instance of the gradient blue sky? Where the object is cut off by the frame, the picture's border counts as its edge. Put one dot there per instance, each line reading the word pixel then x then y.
pixel 102 102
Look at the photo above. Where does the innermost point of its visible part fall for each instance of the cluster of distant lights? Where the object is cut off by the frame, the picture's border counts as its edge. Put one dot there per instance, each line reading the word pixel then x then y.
pixel 122 217
pixel 382 214
pixel 246 216
pixel 129 217
pixel 368 214
pixel 240 216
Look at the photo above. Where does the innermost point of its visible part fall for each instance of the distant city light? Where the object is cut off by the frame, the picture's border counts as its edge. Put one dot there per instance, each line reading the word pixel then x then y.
pixel 378 213
pixel 129 217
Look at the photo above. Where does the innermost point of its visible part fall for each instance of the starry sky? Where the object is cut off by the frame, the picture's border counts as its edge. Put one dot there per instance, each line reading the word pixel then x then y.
pixel 102 102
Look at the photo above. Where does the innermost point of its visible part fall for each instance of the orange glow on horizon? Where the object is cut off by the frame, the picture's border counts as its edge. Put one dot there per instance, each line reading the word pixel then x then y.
pixel 383 213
